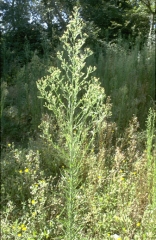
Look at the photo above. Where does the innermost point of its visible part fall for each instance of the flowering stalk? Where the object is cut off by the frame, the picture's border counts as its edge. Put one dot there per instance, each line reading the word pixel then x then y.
pixel 77 103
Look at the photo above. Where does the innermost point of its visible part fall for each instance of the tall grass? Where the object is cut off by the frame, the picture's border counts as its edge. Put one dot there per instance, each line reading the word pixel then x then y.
pixel 128 76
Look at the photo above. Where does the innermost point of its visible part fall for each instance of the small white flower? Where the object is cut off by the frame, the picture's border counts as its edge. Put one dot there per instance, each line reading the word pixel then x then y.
pixel 116 236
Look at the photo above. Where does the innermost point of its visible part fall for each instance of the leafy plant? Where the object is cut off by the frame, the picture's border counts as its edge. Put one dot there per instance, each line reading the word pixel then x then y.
pixel 151 161
pixel 79 109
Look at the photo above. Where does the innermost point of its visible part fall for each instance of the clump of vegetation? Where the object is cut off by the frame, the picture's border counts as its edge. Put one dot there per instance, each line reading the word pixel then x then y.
pixel 79 178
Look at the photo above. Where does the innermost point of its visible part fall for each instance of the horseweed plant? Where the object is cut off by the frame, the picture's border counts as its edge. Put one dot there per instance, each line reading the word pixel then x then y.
pixel 79 108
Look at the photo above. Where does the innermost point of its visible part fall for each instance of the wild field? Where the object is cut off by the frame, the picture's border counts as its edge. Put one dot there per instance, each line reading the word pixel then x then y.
pixel 78 154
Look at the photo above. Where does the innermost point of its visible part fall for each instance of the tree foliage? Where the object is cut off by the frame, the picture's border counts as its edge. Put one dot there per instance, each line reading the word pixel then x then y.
pixel 128 17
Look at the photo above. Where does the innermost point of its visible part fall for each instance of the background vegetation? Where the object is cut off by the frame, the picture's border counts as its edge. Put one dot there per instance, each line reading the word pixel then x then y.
pixel 78 116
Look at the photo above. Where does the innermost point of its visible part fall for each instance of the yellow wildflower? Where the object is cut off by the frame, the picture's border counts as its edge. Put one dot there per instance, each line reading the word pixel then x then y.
pixel 23 227
pixel 33 202
pixel 9 145
pixel 122 179
pixel 19 234
pixel 138 224
pixel 26 170
pixel 20 171
pixel 42 181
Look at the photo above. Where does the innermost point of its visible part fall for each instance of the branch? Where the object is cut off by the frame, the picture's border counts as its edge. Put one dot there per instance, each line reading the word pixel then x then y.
pixel 58 13
pixel 147 3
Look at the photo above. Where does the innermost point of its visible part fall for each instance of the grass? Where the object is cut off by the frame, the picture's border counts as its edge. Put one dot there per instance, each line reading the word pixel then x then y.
pixel 89 171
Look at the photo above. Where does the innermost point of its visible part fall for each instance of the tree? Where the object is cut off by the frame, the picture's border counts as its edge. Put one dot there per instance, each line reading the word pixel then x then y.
pixel 15 14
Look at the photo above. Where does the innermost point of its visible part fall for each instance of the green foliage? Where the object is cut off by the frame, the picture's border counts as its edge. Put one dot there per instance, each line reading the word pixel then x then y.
pixel 151 163
pixel 128 76
pixel 115 18
pixel 21 109
pixel 25 193
pixel 111 201
pixel 78 107
pixel 82 175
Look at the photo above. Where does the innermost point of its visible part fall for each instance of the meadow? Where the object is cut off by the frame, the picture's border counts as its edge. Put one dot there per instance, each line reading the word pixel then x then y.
pixel 78 154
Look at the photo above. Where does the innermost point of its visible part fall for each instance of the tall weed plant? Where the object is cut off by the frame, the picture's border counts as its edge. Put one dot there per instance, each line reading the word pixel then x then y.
pixel 79 110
